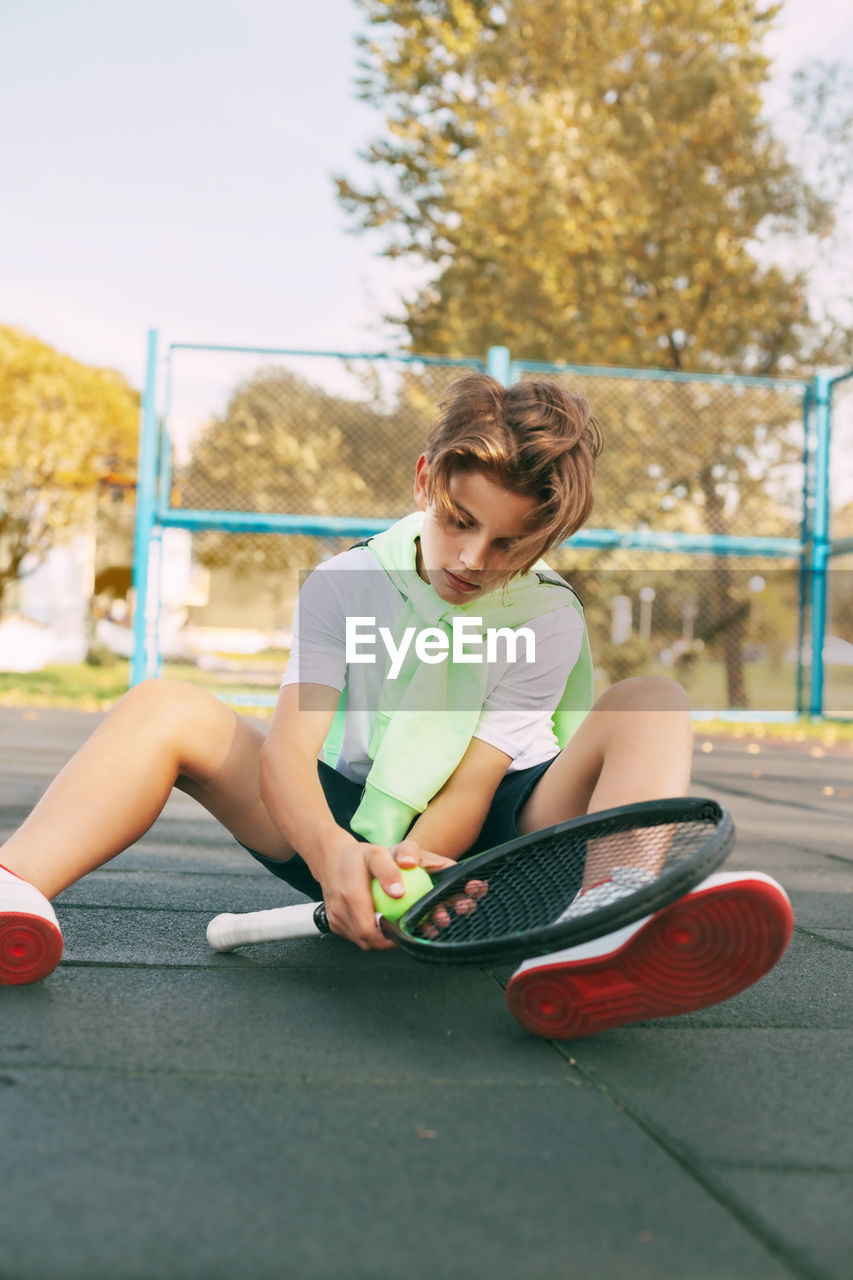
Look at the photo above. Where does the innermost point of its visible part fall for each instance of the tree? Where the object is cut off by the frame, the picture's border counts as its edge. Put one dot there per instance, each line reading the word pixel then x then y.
pixel 589 181
pixel 822 129
pixel 64 426
pixel 595 184
pixel 285 445
pixel 703 459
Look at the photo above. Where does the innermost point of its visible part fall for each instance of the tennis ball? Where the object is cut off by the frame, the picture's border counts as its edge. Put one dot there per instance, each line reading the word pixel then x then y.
pixel 416 883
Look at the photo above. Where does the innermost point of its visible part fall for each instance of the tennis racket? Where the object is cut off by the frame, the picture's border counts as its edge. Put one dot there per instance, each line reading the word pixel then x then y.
pixel 523 898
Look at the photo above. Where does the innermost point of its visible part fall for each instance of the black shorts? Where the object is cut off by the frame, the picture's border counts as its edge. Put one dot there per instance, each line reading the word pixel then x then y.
pixel 344 796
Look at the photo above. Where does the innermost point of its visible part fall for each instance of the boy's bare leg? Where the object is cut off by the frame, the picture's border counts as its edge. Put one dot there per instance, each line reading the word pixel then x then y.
pixel 160 735
pixel 635 744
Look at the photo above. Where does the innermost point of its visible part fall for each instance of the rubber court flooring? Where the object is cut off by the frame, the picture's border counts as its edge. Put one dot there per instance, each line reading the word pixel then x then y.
pixel 303 1110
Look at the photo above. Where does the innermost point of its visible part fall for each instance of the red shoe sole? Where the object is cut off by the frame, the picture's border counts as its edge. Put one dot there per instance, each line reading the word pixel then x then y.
pixel 702 949
pixel 30 948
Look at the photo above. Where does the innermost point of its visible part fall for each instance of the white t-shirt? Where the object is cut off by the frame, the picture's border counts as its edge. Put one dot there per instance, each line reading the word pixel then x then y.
pixel 520 695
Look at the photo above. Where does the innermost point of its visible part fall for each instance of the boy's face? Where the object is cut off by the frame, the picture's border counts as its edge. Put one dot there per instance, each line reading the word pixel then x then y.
pixel 482 545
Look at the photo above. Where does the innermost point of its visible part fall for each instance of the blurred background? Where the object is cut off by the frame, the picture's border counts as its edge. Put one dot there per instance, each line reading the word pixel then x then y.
pixel 649 187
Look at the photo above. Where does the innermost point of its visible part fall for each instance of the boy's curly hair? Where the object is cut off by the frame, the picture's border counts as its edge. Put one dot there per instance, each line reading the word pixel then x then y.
pixel 533 438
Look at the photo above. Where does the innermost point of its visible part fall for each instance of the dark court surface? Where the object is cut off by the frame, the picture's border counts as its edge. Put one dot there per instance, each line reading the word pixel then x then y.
pixel 303 1110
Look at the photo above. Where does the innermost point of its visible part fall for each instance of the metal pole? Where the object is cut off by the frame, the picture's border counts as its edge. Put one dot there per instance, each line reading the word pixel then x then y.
pixel 146 482
pixel 820 540
pixel 805 536
pixel 498 364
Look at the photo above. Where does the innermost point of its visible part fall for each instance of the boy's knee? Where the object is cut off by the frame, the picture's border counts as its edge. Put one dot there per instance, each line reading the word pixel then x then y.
pixel 165 700
pixel 645 693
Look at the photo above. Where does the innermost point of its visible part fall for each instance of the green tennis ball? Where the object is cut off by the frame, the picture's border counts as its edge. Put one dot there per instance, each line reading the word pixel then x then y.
pixel 416 883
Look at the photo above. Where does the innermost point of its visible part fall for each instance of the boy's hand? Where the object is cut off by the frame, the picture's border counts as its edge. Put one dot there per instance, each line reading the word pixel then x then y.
pixel 350 866
pixel 408 853
pixel 461 903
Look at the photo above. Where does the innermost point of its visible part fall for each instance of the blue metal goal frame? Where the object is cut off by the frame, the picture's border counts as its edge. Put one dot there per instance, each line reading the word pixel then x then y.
pixel 813 548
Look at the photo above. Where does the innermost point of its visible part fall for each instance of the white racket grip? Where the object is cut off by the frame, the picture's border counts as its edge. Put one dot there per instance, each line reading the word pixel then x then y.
pixel 228 930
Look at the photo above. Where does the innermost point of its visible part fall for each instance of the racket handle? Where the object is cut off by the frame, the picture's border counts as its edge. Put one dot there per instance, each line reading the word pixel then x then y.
pixel 306 920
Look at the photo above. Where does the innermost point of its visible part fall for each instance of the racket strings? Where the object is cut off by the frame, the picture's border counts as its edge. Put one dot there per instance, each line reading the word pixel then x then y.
pixel 536 886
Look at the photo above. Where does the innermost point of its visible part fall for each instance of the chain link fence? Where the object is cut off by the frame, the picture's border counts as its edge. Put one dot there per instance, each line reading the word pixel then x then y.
pixel 838 647
pixel 321 435
pixel 719 462
pixel 723 458
pixel 315 436
pixel 690 564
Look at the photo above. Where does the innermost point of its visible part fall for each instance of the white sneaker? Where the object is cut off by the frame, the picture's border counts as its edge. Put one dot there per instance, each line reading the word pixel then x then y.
pixel 703 948
pixel 620 882
pixel 30 938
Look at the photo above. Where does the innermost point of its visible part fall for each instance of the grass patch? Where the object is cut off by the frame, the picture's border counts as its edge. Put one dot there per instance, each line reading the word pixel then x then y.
pixel 97 688
pixel 65 685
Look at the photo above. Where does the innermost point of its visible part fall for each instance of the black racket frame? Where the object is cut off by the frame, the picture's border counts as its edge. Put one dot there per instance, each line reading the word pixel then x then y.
pixel 672 883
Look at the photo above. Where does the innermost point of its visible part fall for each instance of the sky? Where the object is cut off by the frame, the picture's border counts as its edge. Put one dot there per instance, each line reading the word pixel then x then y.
pixel 169 165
